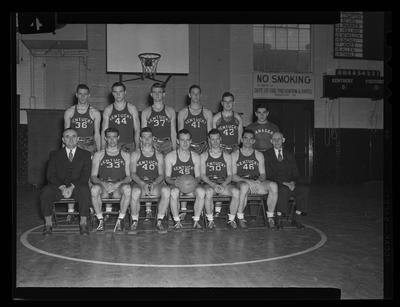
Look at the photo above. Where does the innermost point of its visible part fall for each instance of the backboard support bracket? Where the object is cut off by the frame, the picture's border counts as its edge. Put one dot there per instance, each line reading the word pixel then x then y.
pixel 142 77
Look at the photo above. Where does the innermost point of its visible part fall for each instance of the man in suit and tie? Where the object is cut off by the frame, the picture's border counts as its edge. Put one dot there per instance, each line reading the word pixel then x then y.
pixel 280 167
pixel 68 175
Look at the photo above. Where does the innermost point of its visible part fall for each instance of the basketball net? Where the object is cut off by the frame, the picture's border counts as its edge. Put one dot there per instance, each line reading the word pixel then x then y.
pixel 149 63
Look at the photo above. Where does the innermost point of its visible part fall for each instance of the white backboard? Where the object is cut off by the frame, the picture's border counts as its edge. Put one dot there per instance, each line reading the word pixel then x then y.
pixel 126 41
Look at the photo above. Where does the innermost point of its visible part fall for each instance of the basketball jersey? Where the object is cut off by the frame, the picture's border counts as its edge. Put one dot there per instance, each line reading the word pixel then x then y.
pixel 160 124
pixel 123 121
pixel 197 126
pixel 216 168
pixel 147 167
pixel 182 168
pixel 82 123
pixel 263 134
pixel 112 168
pixel 229 130
pixel 247 166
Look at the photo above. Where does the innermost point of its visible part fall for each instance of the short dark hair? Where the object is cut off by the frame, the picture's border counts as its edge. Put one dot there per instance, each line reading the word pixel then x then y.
pixel 83 87
pixel 214 131
pixel 118 84
pixel 194 86
pixel 227 94
pixel 249 131
pixel 184 131
pixel 158 85
pixel 111 129
pixel 261 106
pixel 146 129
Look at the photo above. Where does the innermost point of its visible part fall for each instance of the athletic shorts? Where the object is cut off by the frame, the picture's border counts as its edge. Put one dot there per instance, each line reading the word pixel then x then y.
pixel 116 194
pixel 229 149
pixel 257 189
pixel 144 191
pixel 87 143
pixel 200 147
pixel 163 146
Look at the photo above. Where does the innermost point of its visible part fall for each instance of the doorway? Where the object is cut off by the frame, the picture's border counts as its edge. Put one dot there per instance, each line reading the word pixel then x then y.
pixel 295 119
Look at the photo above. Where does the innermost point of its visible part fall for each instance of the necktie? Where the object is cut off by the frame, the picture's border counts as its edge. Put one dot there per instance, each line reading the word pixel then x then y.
pixel 280 157
pixel 70 155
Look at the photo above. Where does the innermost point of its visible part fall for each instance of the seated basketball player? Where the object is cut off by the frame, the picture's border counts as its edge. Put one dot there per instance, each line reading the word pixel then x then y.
pixel 110 178
pixel 179 163
pixel 161 119
pixel 229 123
pixel 197 120
pixel 123 116
pixel 147 172
pixel 216 173
pixel 249 172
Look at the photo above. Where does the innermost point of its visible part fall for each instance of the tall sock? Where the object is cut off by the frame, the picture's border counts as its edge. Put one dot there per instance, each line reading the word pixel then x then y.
pixel 240 216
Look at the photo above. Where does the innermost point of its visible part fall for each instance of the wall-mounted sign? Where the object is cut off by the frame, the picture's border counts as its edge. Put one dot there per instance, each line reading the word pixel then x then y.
pixel 349 35
pixel 353 86
pixel 283 85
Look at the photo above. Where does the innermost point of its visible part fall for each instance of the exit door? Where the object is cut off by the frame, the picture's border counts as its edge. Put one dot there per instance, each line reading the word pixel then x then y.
pixel 295 119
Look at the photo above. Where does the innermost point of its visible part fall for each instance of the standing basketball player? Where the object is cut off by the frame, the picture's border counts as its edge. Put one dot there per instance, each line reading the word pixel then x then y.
pixel 85 119
pixel 216 173
pixel 110 177
pixel 229 123
pixel 123 116
pixel 263 129
pixel 196 119
pixel 248 170
pixel 181 162
pixel 147 172
pixel 161 119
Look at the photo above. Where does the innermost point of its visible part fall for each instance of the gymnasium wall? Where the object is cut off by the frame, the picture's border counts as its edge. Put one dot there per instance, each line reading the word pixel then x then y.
pixel 220 59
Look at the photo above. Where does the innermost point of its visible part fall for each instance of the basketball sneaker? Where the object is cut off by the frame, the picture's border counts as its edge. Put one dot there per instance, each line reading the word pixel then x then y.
pixel 133 227
pixel 70 218
pixel 271 223
pixel 211 225
pixel 242 223
pixel 178 226
pixel 118 226
pixel 232 224
pixel 196 225
pixel 160 227
pixel 148 216
pixel 100 226
pixel 182 216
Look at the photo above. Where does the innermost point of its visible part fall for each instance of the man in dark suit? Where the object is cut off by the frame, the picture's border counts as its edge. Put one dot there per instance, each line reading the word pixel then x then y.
pixel 68 175
pixel 280 167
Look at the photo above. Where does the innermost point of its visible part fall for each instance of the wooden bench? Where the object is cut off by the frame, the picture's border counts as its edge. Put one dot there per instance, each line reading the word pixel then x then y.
pixel 253 200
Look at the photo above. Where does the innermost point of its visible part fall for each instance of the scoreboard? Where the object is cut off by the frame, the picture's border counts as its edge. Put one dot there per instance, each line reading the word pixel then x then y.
pixel 359 35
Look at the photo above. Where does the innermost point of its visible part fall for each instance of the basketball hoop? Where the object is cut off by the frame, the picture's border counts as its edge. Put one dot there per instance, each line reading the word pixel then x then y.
pixel 149 63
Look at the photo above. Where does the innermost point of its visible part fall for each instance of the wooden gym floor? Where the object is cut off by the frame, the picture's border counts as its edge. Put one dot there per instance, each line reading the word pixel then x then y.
pixel 340 247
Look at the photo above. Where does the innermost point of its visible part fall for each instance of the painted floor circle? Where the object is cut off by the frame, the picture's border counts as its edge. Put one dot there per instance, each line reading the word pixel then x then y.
pixel 177 250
